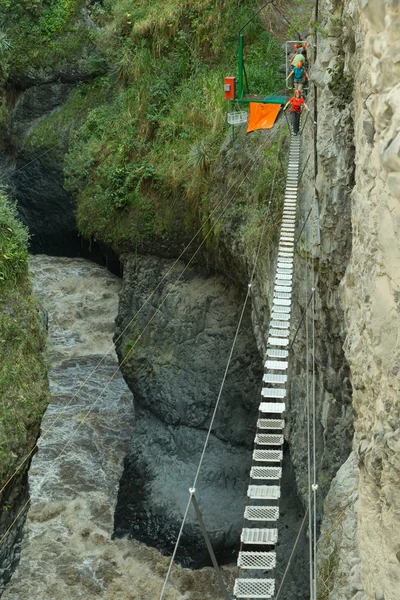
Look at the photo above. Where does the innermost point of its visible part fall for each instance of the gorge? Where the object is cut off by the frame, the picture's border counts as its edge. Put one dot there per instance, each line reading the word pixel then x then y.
pixel 146 170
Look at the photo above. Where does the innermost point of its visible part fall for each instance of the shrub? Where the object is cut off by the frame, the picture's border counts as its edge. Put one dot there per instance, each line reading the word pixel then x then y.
pixel 13 242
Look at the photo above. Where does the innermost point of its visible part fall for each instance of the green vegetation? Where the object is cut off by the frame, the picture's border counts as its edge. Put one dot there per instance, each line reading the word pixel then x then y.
pixel 141 163
pixel 145 136
pixel 41 33
pixel 327 574
pixel 23 381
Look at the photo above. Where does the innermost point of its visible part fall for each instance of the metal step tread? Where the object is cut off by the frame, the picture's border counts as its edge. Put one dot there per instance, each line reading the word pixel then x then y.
pixel 256 560
pixel 284 333
pixel 254 588
pixel 272 407
pixel 273 378
pixel 276 365
pixel 259 536
pixel 277 353
pixel 268 492
pixel 268 392
pixel 261 455
pixel 281 309
pixel 266 472
pixel 279 324
pixel 283 301
pixel 268 439
pixel 280 316
pixel 283 294
pixel 275 341
pixel 270 424
pixel 261 513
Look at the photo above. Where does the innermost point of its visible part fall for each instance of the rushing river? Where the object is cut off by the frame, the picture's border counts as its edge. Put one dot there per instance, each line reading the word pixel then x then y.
pixel 67 550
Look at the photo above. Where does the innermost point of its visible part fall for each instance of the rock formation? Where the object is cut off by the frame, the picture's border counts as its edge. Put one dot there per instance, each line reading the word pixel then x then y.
pixel 176 368
pixel 357 75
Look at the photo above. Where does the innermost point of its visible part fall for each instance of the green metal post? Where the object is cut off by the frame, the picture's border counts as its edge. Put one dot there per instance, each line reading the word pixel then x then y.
pixel 240 67
pixel 233 127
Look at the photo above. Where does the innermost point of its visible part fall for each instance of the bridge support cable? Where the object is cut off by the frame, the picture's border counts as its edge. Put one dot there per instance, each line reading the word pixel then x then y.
pixel 314 433
pixel 309 496
pixel 192 489
pixel 257 556
pixel 192 498
pixel 221 582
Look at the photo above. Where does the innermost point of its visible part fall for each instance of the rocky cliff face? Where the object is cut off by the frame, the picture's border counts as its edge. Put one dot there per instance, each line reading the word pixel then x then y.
pixel 357 76
pixel 354 255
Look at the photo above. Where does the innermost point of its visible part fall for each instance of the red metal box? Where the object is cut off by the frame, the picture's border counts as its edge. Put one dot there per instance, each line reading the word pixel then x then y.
pixel 230 88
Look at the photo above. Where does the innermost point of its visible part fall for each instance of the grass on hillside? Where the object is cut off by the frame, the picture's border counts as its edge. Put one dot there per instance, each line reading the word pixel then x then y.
pixel 144 137
pixel 141 164
pixel 23 376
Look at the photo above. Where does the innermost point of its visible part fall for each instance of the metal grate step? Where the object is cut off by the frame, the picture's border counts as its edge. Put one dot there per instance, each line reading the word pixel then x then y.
pixel 268 392
pixel 280 309
pixel 287 295
pixel 273 341
pixel 261 513
pixel 278 325
pixel 277 352
pixel 272 407
pixel 276 365
pixel 284 265
pixel 270 423
pixel 259 536
pixel 280 316
pixel 282 288
pixel 279 332
pixel 283 301
pixel 268 439
pixel 285 276
pixel 287 283
pixel 266 492
pixel 254 588
pixel 272 378
pixel 266 472
pixel 257 560
pixel 273 456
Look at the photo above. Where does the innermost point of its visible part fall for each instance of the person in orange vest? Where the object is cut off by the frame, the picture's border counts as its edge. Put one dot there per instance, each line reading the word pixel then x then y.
pixel 297 103
pixel 300 73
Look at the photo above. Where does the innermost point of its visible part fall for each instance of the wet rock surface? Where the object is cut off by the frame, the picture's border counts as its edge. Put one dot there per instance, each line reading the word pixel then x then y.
pixel 176 369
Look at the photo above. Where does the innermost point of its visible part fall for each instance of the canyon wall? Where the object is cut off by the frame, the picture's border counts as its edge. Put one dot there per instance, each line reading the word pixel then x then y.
pixel 351 259
pixel 357 74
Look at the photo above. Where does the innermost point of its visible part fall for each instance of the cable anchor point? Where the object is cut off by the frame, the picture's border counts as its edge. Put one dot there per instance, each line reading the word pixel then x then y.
pixel 314 487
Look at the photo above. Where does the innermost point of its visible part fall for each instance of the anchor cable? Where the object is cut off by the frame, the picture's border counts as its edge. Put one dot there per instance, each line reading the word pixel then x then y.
pixel 249 164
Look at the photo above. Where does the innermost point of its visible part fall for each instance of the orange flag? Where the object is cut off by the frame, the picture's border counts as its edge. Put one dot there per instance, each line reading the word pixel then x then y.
pixel 262 116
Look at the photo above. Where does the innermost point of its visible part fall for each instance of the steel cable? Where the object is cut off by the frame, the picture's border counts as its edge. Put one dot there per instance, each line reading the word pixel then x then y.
pixel 192 489
pixel 112 347
pixel 126 356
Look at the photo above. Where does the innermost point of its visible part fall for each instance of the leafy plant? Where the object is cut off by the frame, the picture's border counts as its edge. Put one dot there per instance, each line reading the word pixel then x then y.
pixel 13 242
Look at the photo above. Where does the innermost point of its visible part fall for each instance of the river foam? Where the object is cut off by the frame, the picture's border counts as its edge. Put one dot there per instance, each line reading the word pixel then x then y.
pixel 67 550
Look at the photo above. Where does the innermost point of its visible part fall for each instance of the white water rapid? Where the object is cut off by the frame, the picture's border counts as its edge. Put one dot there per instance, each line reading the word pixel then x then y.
pixel 67 551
